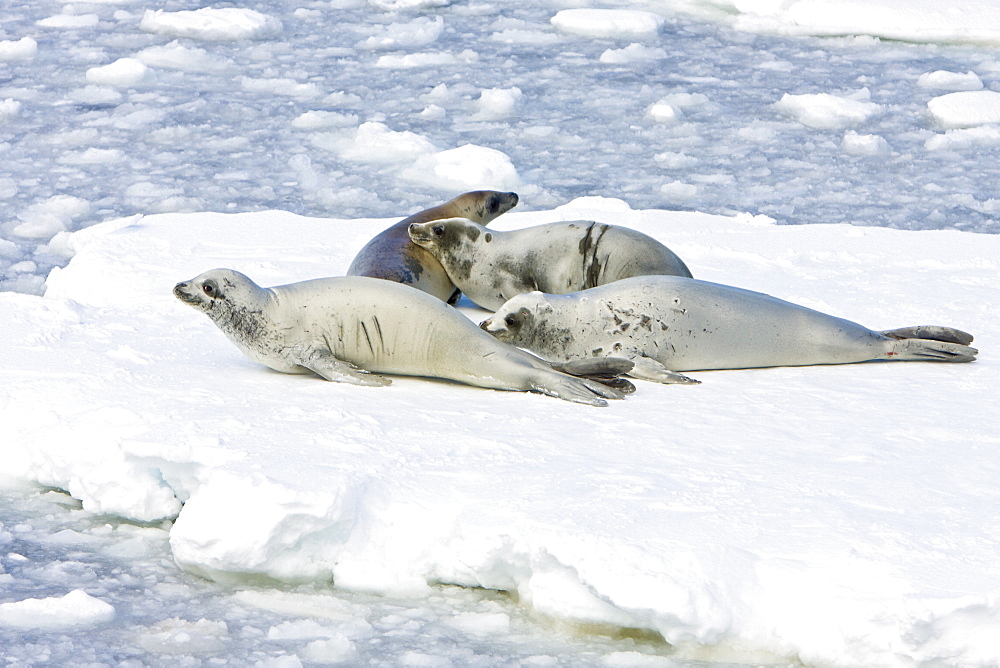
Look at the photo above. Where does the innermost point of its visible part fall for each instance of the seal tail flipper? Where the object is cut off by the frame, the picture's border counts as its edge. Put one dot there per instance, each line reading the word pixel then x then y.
pixel 591 366
pixel 928 350
pixel 930 332
pixel 646 368
pixel 339 371
pixel 578 390
pixel 605 370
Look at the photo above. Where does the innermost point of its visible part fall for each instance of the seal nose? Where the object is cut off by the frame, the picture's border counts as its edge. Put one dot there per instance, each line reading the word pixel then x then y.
pixel 181 291
pixel 414 232
pixel 484 325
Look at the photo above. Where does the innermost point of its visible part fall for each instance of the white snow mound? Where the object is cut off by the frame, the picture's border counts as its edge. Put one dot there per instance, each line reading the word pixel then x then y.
pixel 842 515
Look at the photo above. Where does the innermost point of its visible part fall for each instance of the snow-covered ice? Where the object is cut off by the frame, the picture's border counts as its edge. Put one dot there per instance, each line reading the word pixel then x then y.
pixel 828 112
pixel 966 109
pixel 950 80
pixel 831 516
pixel 609 23
pixel 210 23
pixel 968 21
pixel 840 515
pixel 76 608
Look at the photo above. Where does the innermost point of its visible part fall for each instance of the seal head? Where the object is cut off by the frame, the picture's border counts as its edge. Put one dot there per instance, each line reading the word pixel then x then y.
pixel 392 256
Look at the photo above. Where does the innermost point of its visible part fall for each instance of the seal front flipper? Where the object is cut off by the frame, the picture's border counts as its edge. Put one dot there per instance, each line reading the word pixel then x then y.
pixel 329 367
pixel 646 368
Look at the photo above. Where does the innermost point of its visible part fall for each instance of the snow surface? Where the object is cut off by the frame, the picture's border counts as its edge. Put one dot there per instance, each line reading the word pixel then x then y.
pixel 834 515
pixel 837 515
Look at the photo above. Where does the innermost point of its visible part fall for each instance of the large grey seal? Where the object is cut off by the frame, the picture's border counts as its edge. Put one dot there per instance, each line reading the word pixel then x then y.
pixel 490 266
pixel 346 328
pixel 667 324
pixel 392 256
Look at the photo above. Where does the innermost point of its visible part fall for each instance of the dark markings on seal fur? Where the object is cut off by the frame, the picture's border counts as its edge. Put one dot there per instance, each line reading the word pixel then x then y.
pixel 588 253
pixel 368 339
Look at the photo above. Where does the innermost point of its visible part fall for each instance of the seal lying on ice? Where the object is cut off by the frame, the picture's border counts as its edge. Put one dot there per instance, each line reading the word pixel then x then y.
pixel 666 324
pixel 490 266
pixel 349 328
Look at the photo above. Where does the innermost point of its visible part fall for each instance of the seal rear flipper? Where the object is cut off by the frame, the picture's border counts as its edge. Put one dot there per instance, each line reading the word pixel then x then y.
pixel 605 370
pixel 646 368
pixel 577 390
pixel 925 350
pixel 339 371
pixel 595 366
pixel 930 332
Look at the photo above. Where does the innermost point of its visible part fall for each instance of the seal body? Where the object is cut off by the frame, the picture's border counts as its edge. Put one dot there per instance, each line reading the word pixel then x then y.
pixel 491 266
pixel 348 329
pixel 391 255
pixel 666 324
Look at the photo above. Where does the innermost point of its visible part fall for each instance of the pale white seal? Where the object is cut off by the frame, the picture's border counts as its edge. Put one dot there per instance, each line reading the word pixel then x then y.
pixel 391 255
pixel 490 266
pixel 667 324
pixel 346 328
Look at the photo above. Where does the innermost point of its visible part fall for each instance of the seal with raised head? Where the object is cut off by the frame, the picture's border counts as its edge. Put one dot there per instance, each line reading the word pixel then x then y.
pixel 391 255
pixel 349 329
pixel 491 266
pixel 666 324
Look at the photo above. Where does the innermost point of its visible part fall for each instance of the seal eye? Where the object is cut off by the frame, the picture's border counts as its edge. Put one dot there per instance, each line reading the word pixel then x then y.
pixel 438 230
pixel 211 289
pixel 208 289
pixel 510 321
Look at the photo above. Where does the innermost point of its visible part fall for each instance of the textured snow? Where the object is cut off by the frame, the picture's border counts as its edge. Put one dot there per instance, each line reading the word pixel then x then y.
pixel 818 513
